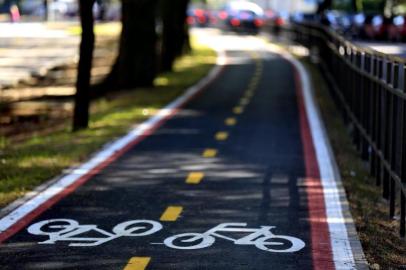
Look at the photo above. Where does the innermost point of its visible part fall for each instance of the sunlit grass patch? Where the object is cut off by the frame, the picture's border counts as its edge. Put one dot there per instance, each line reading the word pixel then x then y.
pixel 25 165
pixel 102 29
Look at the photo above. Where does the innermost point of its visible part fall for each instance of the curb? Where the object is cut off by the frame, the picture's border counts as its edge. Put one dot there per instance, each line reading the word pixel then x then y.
pixel 357 257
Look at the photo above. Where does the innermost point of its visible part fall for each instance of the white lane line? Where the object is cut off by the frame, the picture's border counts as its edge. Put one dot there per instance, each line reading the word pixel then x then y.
pixel 340 243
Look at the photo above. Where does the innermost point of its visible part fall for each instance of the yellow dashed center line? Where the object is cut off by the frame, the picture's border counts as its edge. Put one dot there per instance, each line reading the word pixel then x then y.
pixel 238 110
pixel 231 121
pixel 171 213
pixel 244 101
pixel 252 88
pixel 252 84
pixel 249 94
pixel 209 153
pixel 221 136
pixel 137 263
pixel 194 178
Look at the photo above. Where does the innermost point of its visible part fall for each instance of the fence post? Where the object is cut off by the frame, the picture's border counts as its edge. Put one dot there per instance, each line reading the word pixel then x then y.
pixel 364 99
pixel 393 130
pixel 372 122
pixel 386 126
pixel 356 91
pixel 369 85
pixel 402 85
pixel 378 120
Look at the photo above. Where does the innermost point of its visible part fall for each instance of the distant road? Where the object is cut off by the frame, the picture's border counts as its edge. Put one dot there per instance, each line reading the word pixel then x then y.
pixel 398 49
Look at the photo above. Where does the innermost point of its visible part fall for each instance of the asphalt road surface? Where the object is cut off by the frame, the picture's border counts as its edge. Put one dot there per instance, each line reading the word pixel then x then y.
pixel 229 181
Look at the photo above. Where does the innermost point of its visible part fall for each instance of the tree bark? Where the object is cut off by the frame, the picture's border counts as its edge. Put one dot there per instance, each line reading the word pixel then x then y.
pixel 82 97
pixel 175 33
pixel 136 63
pixel 323 6
pixel 356 5
pixel 46 10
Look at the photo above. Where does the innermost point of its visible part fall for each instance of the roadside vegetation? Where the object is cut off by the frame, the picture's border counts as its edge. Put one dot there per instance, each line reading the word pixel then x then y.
pixel 379 236
pixel 24 164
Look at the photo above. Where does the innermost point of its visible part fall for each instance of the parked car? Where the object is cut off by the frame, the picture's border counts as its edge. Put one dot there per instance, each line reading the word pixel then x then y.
pixel 64 8
pixel 242 17
pixel 397 31
pixel 33 8
pixel 278 19
pixel 382 26
pixel 358 21
pixel 199 17
pixel 378 27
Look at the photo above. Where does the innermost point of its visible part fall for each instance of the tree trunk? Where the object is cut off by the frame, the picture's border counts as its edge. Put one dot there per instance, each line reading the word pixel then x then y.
pixel 46 10
pixel 175 33
pixel 103 5
pixel 136 63
pixel 82 97
pixel 323 6
pixel 356 6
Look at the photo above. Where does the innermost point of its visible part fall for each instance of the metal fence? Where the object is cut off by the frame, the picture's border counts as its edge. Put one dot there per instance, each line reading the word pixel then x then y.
pixel 370 88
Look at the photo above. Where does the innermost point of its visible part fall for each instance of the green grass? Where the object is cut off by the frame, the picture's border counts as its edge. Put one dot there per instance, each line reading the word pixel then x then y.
pixel 25 165
pixel 102 29
pixel 379 235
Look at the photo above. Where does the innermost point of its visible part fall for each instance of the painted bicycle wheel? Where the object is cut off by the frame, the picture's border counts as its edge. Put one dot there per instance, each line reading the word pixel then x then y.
pixel 53 226
pixel 189 241
pixel 137 228
pixel 279 243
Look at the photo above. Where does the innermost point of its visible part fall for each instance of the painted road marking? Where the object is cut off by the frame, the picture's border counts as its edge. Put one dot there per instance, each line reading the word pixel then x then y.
pixel 221 136
pixel 171 213
pixel 137 263
pixel 249 94
pixel 89 235
pixel 244 101
pixel 39 201
pixel 209 153
pixel 194 177
pixel 231 121
pixel 70 230
pixel 238 110
pixel 329 181
pixel 258 237
pixel 253 84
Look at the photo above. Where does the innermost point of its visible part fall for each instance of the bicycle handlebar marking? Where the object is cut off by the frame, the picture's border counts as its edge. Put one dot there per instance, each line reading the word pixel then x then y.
pixel 70 230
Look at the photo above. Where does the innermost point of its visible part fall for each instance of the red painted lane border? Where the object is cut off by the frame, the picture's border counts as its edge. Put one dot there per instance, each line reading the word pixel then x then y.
pixel 322 255
pixel 16 227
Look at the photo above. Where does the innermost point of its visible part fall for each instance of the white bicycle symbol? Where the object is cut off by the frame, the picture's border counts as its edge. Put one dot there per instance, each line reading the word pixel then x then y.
pixel 70 230
pixel 262 238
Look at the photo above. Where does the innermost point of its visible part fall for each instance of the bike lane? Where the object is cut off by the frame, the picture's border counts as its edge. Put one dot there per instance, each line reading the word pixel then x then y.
pixel 239 153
